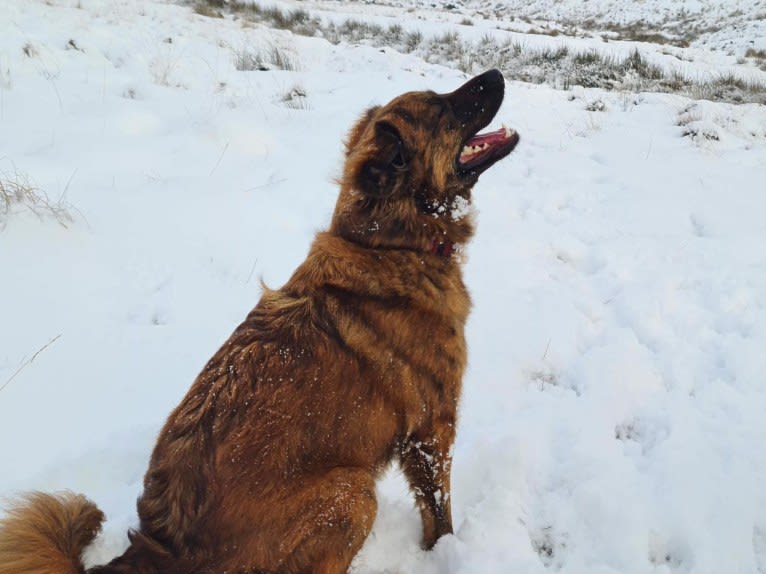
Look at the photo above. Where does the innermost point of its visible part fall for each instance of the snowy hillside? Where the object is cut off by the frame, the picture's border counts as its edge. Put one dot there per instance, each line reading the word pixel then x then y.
pixel 613 414
pixel 727 25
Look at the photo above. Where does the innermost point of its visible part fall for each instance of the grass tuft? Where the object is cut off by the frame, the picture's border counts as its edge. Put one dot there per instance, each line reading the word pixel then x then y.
pixel 272 58
pixel 29 50
pixel 296 98
pixel 17 194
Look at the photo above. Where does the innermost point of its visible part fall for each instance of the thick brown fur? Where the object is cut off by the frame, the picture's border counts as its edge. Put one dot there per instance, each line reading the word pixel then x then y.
pixel 269 462
pixel 47 534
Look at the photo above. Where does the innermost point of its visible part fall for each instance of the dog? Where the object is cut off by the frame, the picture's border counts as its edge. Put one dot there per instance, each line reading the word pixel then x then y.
pixel 269 463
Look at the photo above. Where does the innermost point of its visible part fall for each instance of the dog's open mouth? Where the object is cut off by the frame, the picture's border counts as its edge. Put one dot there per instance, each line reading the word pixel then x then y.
pixel 482 150
pixel 474 104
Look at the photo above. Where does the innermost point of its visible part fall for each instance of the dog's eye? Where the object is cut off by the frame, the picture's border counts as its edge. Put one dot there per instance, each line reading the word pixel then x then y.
pixel 391 140
pixel 399 162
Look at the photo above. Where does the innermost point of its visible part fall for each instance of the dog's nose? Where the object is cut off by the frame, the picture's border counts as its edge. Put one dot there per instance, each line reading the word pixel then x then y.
pixel 489 79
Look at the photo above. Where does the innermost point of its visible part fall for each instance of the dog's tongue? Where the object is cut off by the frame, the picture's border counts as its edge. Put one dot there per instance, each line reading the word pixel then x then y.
pixel 481 143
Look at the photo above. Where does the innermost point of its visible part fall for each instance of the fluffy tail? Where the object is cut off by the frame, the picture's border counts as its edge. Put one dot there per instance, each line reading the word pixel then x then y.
pixel 46 534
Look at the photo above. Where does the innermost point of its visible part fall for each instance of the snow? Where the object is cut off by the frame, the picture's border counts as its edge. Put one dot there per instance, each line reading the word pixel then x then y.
pixel 612 419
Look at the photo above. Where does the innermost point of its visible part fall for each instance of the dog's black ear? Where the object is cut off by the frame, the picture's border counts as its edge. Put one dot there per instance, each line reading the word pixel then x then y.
pixel 378 176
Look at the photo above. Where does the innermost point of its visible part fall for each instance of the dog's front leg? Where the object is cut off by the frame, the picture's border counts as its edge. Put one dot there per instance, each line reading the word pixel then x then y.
pixel 426 459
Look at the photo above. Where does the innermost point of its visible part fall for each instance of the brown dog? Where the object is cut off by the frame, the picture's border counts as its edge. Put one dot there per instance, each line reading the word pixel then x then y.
pixel 269 462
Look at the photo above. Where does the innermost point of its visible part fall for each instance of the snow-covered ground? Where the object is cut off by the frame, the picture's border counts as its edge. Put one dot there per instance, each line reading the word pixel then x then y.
pixel 612 420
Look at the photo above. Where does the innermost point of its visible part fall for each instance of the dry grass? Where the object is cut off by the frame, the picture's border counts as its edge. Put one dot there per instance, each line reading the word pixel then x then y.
pixel 679 34
pixel 758 57
pixel 297 21
pixel 17 194
pixel 206 8
pixel 271 58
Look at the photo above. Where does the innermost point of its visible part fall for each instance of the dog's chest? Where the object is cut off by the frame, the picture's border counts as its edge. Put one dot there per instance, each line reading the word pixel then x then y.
pixel 419 356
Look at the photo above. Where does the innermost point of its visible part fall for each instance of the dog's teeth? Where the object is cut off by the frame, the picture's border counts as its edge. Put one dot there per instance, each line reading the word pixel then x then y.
pixel 470 150
pixel 508 132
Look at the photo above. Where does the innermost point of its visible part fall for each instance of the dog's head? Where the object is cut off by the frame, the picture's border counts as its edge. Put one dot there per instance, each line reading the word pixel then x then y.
pixel 411 164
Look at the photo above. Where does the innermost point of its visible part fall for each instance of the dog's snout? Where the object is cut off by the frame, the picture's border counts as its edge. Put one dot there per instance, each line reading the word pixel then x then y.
pixel 490 80
pixel 476 102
